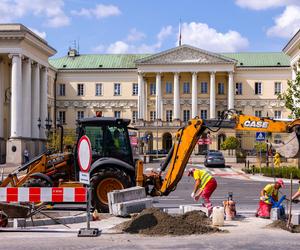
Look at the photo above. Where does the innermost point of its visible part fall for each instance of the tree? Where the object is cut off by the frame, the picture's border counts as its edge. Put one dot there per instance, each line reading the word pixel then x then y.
pixel 292 96
pixel 230 142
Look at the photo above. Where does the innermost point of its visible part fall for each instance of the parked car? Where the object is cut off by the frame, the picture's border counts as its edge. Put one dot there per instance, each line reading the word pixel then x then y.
pixel 214 158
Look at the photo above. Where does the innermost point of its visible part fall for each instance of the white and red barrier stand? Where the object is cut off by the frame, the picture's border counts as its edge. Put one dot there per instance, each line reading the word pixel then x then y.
pixel 42 194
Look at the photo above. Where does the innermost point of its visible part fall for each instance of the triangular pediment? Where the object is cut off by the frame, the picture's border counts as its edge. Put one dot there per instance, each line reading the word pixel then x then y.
pixel 186 54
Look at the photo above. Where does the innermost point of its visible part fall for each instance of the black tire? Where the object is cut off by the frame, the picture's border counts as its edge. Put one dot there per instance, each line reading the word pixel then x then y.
pixel 36 182
pixel 104 181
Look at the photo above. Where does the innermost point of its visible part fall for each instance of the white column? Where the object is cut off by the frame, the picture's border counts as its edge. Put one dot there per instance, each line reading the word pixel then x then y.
pixel 16 96
pixel 158 97
pixel 1 98
pixel 176 115
pixel 145 96
pixel 194 95
pixel 35 104
pixel 26 73
pixel 44 98
pixel 212 96
pixel 140 96
pixel 230 91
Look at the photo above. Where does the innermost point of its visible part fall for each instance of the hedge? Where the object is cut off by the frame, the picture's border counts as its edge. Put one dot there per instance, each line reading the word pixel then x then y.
pixel 281 172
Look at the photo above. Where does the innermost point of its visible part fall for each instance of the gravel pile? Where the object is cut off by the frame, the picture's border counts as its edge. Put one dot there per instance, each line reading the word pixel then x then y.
pixel 282 225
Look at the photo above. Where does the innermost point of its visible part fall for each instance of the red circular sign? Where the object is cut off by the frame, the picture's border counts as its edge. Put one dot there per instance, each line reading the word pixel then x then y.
pixel 84 154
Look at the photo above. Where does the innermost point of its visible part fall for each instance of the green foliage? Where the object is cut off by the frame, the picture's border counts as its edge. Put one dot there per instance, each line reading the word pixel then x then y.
pixel 280 172
pixel 292 96
pixel 68 140
pixel 230 142
pixel 260 146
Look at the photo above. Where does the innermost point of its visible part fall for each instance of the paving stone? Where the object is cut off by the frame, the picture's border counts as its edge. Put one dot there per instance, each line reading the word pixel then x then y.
pixel 295 218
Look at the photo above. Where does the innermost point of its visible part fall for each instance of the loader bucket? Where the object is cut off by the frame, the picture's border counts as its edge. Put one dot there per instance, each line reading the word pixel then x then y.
pixel 289 148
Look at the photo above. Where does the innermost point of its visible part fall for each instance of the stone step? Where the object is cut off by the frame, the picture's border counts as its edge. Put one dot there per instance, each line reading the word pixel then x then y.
pixel 123 209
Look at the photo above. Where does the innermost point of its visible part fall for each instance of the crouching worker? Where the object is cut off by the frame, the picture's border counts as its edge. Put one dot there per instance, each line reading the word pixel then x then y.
pixel 296 196
pixel 268 193
pixel 204 186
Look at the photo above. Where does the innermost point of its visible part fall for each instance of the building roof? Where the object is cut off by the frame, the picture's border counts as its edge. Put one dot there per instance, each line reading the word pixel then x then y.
pixel 260 59
pixel 100 61
pixel 128 61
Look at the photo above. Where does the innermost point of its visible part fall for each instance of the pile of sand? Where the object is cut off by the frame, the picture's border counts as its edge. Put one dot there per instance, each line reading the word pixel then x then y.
pixel 152 221
pixel 282 225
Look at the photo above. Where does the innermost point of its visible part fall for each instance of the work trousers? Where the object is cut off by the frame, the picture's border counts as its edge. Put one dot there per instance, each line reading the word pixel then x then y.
pixel 207 192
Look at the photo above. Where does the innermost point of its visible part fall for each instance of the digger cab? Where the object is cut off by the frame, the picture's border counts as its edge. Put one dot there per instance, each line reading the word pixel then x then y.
pixel 109 138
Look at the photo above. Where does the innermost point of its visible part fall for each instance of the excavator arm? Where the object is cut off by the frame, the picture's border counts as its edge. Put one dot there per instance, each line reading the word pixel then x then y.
pixel 187 137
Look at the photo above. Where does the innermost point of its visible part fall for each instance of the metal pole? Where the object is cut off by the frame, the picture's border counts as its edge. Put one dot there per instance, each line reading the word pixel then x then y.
pixel 88 195
pixel 156 138
pixel 260 159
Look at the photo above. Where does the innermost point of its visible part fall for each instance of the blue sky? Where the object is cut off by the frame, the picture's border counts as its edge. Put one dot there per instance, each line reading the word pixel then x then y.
pixel 149 26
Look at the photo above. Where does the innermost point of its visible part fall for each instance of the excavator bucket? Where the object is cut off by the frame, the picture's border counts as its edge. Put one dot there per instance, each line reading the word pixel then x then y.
pixel 289 148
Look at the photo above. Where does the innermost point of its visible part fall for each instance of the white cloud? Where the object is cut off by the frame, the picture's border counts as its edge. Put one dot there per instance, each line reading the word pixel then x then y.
pixel 52 11
pixel 287 24
pixel 41 34
pixel 128 46
pixel 264 4
pixel 100 11
pixel 135 35
pixel 204 37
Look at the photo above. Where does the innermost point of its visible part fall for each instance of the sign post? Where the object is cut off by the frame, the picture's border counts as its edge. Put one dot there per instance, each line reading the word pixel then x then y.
pixel 84 155
pixel 260 137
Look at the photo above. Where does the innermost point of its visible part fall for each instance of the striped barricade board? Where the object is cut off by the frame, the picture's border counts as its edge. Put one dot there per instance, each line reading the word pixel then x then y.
pixel 43 194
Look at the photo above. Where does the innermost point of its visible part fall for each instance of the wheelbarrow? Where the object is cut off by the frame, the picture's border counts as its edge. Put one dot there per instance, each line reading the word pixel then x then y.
pixel 26 210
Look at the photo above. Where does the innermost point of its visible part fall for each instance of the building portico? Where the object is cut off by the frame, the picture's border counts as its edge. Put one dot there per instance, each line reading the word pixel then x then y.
pixel 23 84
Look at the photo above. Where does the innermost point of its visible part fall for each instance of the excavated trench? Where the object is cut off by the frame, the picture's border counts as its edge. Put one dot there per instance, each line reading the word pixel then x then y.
pixel 154 222
pixel 282 225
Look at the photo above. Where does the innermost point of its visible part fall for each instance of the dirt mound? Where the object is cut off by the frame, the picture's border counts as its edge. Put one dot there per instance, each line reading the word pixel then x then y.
pixel 282 225
pixel 155 222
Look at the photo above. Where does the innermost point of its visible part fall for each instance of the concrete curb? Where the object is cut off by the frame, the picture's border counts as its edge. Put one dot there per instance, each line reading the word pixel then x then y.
pixel 20 222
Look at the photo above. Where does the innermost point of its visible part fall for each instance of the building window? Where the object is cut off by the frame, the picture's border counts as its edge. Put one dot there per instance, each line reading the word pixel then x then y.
pixel 186 88
pixel 152 116
pixel 80 88
pixel 277 139
pixel 186 115
pixel 258 87
pixel 204 88
pixel 152 89
pixel 168 88
pixel 98 91
pixel 221 88
pixel 117 114
pixel 169 115
pixel 203 114
pixel 277 114
pixel 80 115
pixel 134 116
pixel 238 88
pixel 62 116
pixel 277 88
pixel 135 89
pixel 258 113
pixel 117 89
pixel 62 89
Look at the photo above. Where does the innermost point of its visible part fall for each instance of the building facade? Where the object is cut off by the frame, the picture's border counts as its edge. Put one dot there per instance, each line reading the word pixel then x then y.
pixel 158 92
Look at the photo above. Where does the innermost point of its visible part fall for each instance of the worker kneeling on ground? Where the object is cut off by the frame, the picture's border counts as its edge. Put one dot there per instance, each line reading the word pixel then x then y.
pixel 268 193
pixel 205 185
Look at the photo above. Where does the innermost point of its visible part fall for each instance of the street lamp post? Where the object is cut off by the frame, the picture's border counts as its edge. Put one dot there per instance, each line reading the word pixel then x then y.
pixel 59 125
pixel 156 138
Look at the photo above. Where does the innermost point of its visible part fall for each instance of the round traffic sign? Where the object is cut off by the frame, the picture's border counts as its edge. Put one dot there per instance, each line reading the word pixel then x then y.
pixel 84 153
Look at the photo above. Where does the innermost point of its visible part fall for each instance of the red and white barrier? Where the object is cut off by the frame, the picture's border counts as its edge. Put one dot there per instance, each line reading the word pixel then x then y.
pixel 38 194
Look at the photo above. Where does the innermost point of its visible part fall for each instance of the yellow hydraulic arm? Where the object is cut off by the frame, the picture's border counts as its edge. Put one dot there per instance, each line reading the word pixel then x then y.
pixel 186 138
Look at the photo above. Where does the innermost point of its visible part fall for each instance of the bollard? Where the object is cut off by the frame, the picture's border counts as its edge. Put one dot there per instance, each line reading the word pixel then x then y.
pixel 253 169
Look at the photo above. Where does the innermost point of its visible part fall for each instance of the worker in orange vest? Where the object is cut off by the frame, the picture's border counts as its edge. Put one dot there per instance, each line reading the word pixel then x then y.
pixel 204 186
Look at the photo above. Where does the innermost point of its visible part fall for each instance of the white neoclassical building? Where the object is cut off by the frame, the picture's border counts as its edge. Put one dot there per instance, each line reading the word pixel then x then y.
pixel 23 90
pixel 158 92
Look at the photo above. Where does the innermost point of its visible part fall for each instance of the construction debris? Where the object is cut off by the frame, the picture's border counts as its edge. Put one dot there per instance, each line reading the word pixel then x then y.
pixel 154 222
pixel 282 225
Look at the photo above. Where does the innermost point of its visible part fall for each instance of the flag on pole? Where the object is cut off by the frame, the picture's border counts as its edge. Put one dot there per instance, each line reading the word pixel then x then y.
pixel 179 40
